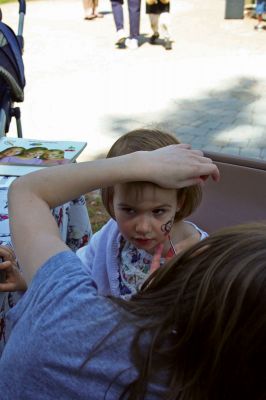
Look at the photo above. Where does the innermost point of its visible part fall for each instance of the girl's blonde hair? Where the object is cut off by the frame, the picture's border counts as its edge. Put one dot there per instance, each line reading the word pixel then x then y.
pixel 189 198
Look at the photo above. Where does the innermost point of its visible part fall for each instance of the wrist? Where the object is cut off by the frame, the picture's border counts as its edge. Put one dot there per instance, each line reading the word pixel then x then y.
pixel 127 168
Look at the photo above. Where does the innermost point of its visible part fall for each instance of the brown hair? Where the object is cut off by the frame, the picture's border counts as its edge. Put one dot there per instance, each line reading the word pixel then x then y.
pixel 205 311
pixel 189 198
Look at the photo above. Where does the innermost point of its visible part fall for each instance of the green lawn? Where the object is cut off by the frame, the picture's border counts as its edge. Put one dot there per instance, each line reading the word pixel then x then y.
pixel 6 1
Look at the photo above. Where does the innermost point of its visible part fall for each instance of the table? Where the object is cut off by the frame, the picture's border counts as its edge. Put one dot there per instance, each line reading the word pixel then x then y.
pixel 75 229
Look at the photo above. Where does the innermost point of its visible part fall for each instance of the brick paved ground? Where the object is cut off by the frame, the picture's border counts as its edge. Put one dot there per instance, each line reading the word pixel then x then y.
pixel 210 90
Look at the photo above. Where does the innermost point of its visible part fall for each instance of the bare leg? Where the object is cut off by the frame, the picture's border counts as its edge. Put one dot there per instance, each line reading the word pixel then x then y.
pixel 88 9
pixel 94 10
pixel 164 23
pixel 259 24
pixel 154 20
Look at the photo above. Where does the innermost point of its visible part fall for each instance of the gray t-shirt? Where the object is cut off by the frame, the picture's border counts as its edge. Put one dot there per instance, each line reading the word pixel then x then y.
pixel 66 342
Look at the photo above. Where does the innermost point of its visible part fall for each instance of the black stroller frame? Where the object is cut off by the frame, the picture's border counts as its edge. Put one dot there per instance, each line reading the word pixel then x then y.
pixel 12 79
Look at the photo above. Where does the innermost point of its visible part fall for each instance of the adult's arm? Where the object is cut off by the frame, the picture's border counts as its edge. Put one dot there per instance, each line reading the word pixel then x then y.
pixel 34 231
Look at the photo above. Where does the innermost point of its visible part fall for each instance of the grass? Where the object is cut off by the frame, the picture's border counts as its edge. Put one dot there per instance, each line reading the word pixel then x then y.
pixel 97 213
pixel 7 1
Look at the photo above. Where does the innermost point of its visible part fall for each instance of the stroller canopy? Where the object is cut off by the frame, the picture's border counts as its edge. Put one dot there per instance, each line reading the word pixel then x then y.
pixel 11 64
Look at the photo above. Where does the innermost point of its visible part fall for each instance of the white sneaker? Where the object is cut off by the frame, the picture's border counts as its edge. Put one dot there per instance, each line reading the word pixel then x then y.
pixel 132 44
pixel 120 35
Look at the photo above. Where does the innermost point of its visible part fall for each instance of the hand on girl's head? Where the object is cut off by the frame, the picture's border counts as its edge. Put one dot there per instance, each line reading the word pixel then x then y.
pixel 177 166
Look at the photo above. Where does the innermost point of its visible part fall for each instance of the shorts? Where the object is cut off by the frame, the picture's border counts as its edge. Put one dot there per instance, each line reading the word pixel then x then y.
pixel 260 7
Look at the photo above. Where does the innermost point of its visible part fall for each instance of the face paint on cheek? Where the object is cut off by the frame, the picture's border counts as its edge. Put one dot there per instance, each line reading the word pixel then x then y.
pixel 166 228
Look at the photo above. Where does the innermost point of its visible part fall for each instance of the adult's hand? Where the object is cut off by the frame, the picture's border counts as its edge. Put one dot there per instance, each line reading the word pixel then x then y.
pixel 176 166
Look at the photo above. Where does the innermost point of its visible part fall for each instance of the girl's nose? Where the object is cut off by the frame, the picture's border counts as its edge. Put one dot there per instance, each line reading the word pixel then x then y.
pixel 143 225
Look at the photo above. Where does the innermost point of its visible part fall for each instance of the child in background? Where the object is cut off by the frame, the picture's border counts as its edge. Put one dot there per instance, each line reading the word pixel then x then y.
pixel 260 10
pixel 147 225
pixel 90 9
pixel 158 11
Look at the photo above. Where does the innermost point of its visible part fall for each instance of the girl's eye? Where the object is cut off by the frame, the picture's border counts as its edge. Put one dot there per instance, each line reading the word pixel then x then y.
pixel 159 211
pixel 128 211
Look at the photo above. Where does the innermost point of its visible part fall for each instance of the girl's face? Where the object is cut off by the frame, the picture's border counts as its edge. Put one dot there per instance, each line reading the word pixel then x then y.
pixel 144 213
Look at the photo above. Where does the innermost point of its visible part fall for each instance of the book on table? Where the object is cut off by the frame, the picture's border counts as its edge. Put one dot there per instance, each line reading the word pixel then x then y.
pixel 21 156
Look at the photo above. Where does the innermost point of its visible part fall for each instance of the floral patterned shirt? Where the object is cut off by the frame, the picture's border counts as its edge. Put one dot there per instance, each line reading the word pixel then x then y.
pixel 133 267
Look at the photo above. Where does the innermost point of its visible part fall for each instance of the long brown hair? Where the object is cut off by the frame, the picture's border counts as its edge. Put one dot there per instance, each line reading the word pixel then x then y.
pixel 205 312
pixel 189 198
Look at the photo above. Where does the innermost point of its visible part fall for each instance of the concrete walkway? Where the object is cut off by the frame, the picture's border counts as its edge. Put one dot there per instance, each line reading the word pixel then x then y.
pixel 210 90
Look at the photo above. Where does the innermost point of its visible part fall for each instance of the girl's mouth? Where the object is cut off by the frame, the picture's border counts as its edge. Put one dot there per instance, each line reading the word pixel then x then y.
pixel 142 242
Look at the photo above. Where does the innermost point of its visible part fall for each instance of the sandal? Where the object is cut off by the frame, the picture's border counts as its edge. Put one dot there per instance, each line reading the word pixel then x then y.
pixel 90 17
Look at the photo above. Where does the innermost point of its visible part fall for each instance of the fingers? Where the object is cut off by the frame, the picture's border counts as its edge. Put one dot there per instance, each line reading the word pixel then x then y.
pixel 7 287
pixel 204 170
pixel 5 265
pixel 6 253
pixel 155 264
pixel 184 146
pixel 198 153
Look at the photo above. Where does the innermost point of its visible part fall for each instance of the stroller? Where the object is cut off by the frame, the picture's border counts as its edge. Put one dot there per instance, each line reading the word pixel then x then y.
pixel 12 79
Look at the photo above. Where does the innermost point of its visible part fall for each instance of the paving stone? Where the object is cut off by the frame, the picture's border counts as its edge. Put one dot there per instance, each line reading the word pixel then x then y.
pixel 190 130
pixel 220 142
pixel 231 150
pixel 227 120
pixel 263 154
pixel 259 119
pixel 211 124
pixel 209 147
pixel 185 138
pixel 250 152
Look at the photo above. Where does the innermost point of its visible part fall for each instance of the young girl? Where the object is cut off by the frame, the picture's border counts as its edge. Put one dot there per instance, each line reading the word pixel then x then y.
pixel 147 224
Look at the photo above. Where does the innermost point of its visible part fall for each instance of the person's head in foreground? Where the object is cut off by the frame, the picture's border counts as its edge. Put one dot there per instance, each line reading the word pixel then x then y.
pixel 145 212
pixel 206 310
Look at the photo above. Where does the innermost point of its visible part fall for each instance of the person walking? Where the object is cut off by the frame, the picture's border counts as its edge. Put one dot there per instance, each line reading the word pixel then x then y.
pixel 90 9
pixel 158 11
pixel 123 41
pixel 260 10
